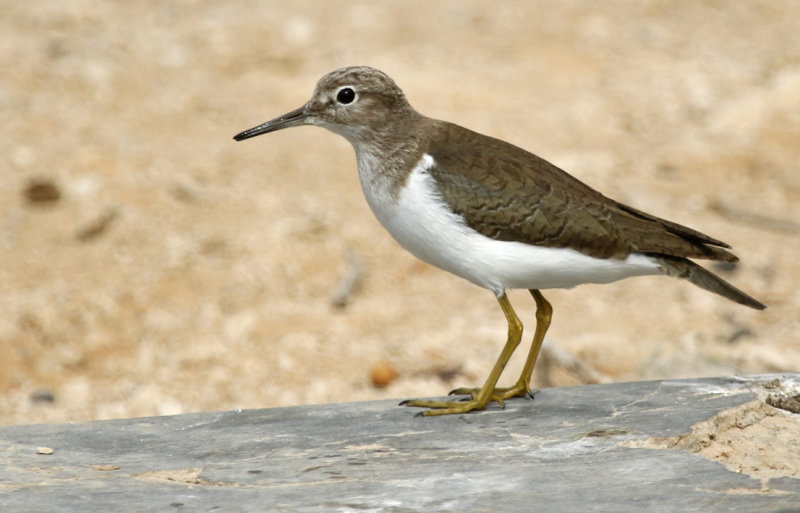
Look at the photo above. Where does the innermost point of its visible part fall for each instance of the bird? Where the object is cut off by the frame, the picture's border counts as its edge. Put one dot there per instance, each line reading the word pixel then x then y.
pixel 494 214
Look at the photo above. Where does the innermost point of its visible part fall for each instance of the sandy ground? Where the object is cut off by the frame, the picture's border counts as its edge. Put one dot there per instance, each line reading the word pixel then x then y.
pixel 151 265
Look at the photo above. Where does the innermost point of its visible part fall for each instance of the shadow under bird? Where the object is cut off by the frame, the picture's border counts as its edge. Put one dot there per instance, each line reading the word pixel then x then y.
pixel 493 213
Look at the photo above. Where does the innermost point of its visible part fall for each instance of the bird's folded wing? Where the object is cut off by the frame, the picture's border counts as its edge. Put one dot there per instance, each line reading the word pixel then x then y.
pixel 507 193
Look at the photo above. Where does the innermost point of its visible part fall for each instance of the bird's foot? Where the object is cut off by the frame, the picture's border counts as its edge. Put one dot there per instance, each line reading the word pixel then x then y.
pixel 445 407
pixel 474 402
pixel 499 394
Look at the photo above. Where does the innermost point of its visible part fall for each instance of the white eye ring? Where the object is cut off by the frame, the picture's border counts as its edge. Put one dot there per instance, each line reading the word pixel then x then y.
pixel 346 95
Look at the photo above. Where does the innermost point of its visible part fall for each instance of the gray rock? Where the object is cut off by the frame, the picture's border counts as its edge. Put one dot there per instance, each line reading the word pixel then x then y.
pixel 560 452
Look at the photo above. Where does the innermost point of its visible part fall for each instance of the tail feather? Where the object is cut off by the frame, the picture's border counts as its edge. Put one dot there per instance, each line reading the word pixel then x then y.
pixel 685 268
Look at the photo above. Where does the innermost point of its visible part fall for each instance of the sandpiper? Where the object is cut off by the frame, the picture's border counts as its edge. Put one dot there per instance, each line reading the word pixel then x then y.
pixel 493 213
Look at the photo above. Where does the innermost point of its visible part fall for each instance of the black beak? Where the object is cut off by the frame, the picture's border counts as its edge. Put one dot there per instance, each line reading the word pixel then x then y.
pixel 295 118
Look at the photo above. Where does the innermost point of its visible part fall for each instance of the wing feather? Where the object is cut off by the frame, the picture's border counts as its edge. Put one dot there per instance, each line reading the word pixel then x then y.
pixel 507 193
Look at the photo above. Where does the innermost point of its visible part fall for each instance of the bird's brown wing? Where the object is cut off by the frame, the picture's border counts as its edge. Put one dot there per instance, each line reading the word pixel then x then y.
pixel 509 194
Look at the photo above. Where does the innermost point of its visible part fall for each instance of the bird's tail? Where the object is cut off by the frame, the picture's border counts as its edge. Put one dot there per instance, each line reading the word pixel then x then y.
pixel 685 268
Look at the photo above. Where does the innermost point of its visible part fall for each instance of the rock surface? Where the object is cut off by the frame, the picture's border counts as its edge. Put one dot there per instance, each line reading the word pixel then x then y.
pixel 572 449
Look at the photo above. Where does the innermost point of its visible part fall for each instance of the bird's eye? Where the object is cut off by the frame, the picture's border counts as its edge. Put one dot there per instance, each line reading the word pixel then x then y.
pixel 345 95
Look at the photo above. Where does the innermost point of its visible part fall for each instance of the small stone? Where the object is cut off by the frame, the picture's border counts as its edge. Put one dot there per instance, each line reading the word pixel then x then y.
pixel 382 374
pixel 43 395
pixel 42 191
pixel 784 402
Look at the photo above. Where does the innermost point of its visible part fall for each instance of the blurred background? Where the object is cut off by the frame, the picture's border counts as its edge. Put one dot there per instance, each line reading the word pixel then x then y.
pixel 151 265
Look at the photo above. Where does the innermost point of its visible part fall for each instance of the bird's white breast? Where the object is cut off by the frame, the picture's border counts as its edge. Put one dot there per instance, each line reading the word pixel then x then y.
pixel 420 220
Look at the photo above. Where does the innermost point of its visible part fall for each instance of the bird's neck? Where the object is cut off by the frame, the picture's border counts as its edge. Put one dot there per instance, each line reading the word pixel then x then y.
pixel 387 156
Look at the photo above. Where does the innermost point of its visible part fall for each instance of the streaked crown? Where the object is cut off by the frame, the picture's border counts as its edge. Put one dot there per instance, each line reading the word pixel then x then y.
pixel 358 103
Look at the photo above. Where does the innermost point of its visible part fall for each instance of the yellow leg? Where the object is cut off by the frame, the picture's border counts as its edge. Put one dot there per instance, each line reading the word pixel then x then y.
pixel 544 313
pixel 485 394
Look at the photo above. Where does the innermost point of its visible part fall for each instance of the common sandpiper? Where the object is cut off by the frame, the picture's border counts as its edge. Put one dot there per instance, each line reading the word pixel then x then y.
pixel 494 214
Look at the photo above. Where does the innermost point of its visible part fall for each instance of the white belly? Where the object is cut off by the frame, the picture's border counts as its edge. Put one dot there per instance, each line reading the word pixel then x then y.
pixel 422 223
